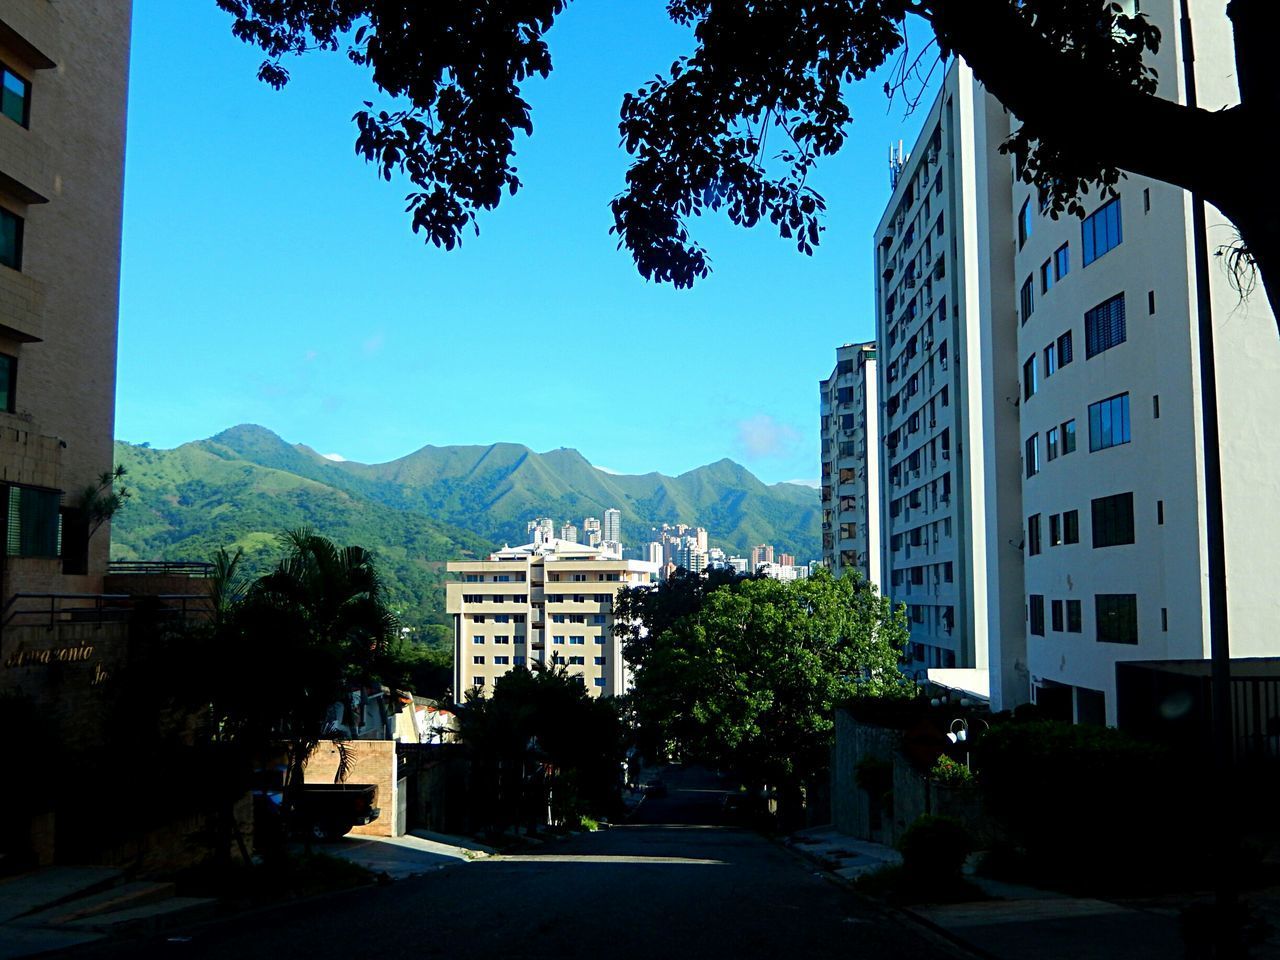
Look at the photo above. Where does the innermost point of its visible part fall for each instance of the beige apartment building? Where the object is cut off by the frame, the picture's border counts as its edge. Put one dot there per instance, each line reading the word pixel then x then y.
pixel 547 602
pixel 850 427
pixel 63 85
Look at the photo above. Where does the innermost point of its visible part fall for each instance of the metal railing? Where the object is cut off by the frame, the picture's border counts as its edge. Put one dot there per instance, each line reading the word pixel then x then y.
pixel 50 609
pixel 163 568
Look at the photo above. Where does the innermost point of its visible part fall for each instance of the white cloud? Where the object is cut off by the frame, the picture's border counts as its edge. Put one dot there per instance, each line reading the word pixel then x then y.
pixel 805 483
pixel 609 470
pixel 762 436
pixel 335 457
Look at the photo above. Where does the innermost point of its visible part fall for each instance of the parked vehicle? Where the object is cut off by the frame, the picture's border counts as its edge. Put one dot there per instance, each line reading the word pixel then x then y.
pixel 330 810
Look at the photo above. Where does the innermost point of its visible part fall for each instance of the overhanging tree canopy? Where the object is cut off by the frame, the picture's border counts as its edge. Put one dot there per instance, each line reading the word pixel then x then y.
pixel 453 70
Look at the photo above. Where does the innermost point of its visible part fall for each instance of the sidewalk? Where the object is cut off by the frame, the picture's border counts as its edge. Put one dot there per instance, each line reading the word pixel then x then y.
pixel 1021 922
pixel 412 855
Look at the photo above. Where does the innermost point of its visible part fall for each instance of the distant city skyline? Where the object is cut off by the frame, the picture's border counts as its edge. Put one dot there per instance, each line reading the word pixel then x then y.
pixel 358 355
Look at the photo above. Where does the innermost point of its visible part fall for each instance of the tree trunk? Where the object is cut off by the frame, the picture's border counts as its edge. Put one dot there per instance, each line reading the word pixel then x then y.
pixel 1255 26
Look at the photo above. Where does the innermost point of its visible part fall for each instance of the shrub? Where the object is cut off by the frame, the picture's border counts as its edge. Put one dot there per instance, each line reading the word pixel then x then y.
pixel 951 773
pixel 934 848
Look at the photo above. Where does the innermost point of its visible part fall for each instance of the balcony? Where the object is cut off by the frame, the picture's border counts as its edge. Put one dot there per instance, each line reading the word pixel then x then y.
pixel 24 164
pixel 31 30
pixel 21 306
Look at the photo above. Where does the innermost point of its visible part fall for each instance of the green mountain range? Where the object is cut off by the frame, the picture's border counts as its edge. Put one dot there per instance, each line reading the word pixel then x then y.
pixel 243 486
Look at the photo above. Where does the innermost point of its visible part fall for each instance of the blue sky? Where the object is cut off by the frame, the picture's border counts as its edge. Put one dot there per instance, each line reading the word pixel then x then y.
pixel 270 277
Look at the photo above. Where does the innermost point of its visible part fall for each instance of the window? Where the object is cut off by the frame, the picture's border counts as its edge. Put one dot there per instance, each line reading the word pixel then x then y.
pixel 1068 437
pixel 15 97
pixel 8 377
pixel 1029 378
pixel 1074 619
pixel 1046 276
pixel 599 661
pixel 577 661
pixel 10 239
pixel 1155 407
pixel 502 661
pixel 1035 609
pixel 1117 617
pixel 1051 444
pixel 1055 530
pixel 1033 535
pixel 1024 223
pixel 1061 262
pixel 1027 300
pixel 31 522
pixel 597 619
pixel 1104 326
pixel 1164 619
pixel 519 660
pixel 1151 301
pixel 557 639
pixel 1160 513
pixel 478 638
pixel 478 618
pixel 1071 526
pixel 1113 520
pixel 479 660
pixel 1055 616
pixel 477 681
pixel 1050 360
pixel 1033 454
pixel 577 641
pixel 1065 349
pixel 502 638
pixel 600 640
pixel 1109 422
pixel 1101 231
pixel 502 618
pixel 598 681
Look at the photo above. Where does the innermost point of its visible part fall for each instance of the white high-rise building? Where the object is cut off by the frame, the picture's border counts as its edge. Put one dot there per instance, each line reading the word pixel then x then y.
pixel 612 530
pixel 541 530
pixel 591 531
pixel 948 384
pixel 1112 418
pixel 851 463
pixel 569 532
pixel 655 553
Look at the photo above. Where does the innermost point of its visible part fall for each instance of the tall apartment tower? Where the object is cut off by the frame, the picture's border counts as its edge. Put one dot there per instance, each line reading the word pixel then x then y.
pixel 591 531
pixel 851 463
pixel 63 84
pixel 569 532
pixel 1112 420
pixel 544 602
pixel 947 382
pixel 613 525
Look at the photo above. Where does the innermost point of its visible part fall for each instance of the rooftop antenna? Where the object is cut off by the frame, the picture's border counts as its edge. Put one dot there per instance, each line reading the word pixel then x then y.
pixel 897 160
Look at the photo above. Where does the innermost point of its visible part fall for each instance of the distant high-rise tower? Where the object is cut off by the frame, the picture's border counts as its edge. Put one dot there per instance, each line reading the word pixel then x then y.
pixel 569 532
pixel 542 530
pixel 591 531
pixel 655 553
pixel 613 525
pixel 760 555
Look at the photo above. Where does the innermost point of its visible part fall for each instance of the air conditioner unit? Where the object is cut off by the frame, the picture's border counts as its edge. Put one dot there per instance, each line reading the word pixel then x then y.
pixel 933 423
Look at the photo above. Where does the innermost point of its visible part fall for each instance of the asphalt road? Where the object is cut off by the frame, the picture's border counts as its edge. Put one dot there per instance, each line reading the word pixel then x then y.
pixel 670 884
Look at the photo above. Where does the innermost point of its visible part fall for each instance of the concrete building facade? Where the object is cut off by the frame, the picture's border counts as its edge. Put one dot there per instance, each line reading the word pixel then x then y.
pixel 548 602
pixel 64 77
pixel 850 429
pixel 948 407
pixel 1112 422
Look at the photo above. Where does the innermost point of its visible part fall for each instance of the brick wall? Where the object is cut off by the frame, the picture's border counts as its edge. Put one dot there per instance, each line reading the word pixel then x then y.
pixel 374 761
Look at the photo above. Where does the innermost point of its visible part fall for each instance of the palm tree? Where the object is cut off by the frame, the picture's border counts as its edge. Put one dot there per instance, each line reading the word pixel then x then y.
pixel 309 629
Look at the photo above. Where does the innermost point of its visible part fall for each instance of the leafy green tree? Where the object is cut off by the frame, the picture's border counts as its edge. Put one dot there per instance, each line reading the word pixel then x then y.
pixel 540 742
pixel 739 124
pixel 749 680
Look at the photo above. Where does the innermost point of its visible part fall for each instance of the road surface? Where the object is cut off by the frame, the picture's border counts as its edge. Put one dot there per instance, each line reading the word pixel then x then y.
pixel 670 884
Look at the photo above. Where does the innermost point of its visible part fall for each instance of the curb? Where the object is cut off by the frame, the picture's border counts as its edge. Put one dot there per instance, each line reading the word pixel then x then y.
pixel 926 929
